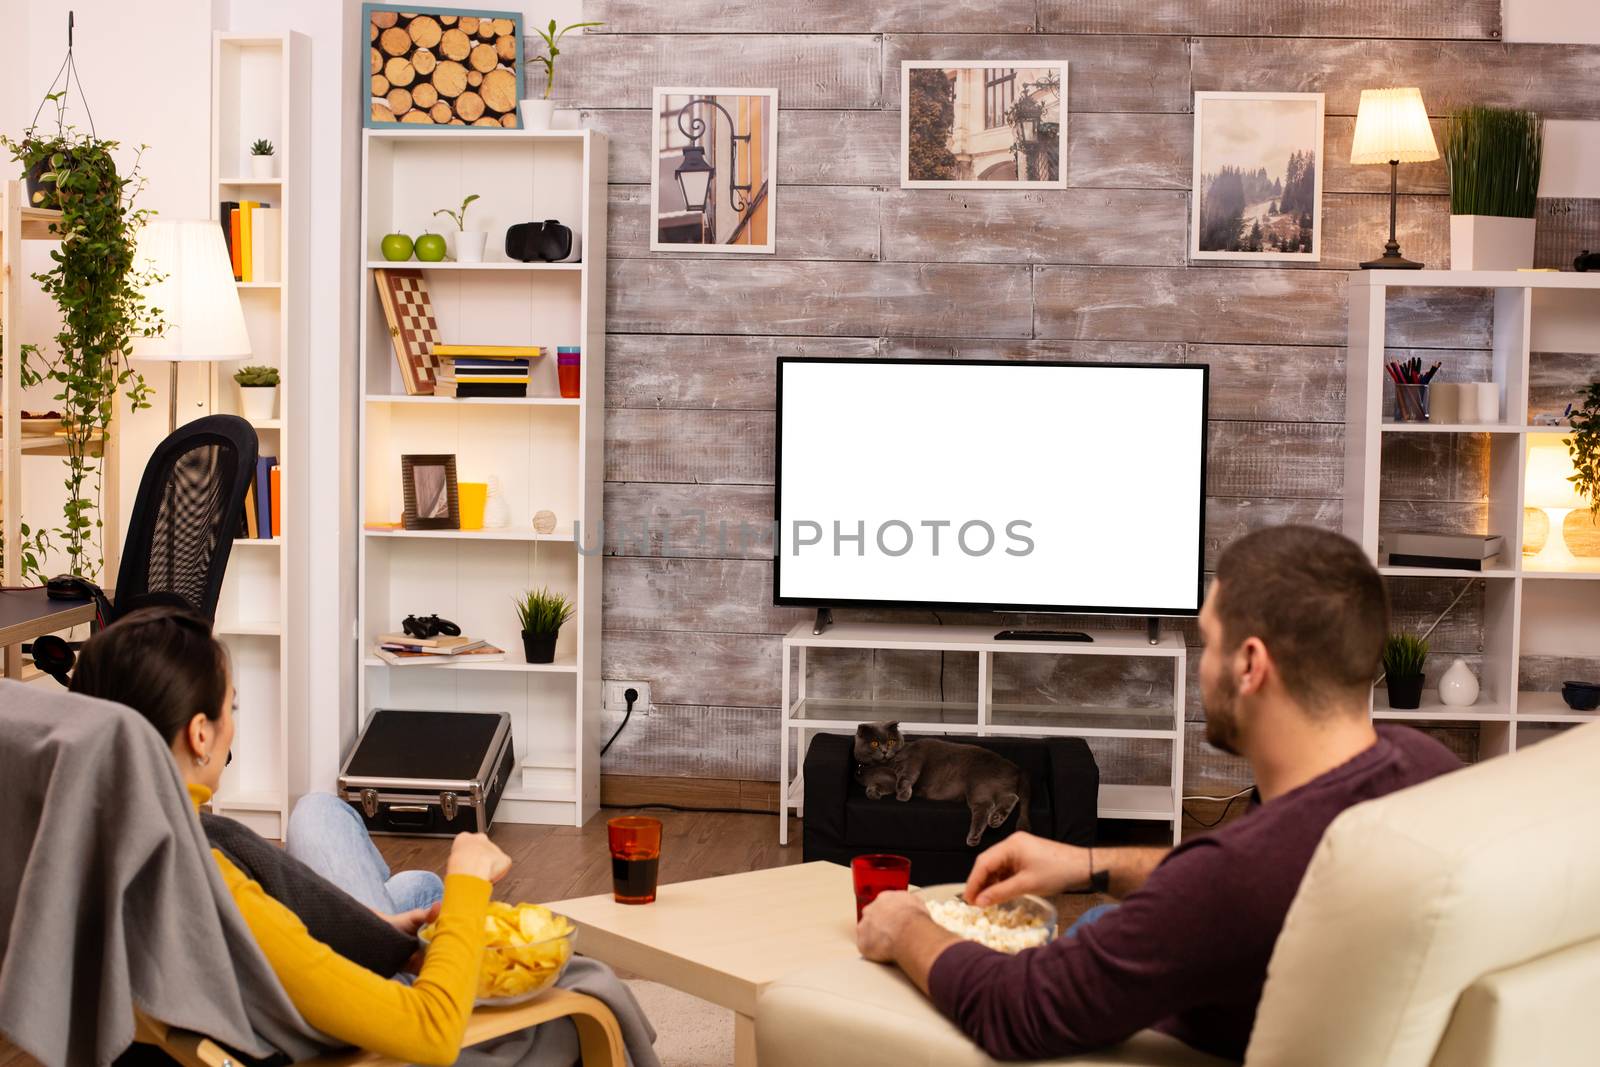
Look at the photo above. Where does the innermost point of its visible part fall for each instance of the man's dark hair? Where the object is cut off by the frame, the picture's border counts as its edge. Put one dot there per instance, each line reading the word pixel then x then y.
pixel 162 662
pixel 1317 603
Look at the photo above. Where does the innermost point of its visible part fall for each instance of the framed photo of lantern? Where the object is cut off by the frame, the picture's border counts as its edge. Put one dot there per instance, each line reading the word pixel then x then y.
pixel 983 124
pixel 435 66
pixel 1257 176
pixel 713 187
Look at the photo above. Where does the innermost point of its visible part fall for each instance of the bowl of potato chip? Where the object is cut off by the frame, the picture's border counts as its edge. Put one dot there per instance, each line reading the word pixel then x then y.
pixel 526 949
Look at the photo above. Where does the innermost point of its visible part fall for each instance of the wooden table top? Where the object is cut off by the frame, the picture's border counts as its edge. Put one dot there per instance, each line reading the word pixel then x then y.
pixel 722 939
pixel 29 613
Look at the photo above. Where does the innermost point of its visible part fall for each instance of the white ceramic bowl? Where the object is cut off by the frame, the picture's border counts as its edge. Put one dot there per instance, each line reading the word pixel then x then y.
pixel 1035 907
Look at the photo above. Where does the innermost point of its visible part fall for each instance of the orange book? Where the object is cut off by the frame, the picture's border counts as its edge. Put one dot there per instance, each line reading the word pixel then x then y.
pixel 277 496
pixel 252 529
pixel 233 242
pixel 246 225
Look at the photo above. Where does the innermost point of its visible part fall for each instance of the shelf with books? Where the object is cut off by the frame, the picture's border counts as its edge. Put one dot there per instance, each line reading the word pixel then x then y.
pixel 486 401
pixel 509 533
pixel 504 665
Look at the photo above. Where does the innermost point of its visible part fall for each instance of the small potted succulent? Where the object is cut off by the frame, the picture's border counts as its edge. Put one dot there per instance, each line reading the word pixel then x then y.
pixel 262 161
pixel 542 614
pixel 258 392
pixel 1403 656
pixel 469 243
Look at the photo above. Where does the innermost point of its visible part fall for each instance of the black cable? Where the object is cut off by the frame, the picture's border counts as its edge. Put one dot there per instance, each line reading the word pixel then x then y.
pixel 1219 818
pixel 940 621
pixel 630 695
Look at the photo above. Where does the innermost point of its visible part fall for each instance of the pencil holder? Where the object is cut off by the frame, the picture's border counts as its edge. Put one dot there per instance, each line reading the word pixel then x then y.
pixel 1411 403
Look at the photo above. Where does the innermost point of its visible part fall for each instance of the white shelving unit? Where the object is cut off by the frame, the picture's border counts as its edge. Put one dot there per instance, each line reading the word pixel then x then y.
pixel 546 451
pixel 260 87
pixel 805 715
pixel 1526 611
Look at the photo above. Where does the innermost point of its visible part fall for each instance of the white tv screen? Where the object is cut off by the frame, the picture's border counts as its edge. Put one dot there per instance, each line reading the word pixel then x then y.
pixel 993 485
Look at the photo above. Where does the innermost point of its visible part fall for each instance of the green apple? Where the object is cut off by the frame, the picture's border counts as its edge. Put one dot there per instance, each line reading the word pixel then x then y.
pixel 396 247
pixel 430 247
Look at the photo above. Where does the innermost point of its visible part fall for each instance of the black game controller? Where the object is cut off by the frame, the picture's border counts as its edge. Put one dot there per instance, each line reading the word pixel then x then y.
pixel 427 626
pixel 1587 261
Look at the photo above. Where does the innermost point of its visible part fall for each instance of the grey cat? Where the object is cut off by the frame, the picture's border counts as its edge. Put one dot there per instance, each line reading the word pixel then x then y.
pixel 940 770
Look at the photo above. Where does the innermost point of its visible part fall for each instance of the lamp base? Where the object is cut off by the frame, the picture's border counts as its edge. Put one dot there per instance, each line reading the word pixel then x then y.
pixel 1555 555
pixel 1391 260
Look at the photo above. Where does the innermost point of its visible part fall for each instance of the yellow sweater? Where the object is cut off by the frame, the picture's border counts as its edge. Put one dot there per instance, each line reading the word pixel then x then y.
pixel 420 1023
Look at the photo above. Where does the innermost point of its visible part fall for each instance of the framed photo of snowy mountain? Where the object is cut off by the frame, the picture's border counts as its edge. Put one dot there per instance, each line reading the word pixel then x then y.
pixel 1257 190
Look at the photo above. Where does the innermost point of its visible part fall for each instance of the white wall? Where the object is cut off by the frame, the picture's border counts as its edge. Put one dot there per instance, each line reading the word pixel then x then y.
pixel 1572 149
pixel 1551 21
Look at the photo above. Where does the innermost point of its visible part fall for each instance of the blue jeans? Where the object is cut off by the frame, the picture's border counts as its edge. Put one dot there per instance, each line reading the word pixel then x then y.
pixel 1093 915
pixel 328 836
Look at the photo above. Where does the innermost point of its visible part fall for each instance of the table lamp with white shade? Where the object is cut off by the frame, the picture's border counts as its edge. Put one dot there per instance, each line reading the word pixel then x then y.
pixel 196 296
pixel 1548 489
pixel 1392 127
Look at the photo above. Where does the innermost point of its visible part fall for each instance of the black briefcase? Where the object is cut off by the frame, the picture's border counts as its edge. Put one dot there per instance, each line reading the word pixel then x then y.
pixel 429 773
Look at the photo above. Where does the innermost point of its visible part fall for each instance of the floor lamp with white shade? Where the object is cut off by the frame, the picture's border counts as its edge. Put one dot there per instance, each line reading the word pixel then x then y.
pixel 195 295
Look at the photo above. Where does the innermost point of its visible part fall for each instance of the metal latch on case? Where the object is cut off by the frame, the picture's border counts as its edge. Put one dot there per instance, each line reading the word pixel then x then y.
pixel 447 805
pixel 369 803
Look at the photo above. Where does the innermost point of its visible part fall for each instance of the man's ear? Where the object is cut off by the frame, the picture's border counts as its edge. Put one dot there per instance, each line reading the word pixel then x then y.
pixel 1254 666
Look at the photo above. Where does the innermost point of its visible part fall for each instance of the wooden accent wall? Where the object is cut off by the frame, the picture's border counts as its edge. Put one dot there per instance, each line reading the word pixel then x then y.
pixel 1097 271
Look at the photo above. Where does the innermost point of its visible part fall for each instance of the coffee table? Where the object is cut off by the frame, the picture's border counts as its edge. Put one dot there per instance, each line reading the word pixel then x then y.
pixel 723 939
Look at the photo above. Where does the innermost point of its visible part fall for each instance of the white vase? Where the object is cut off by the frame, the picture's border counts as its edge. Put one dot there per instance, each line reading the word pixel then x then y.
pixel 469 245
pixel 537 113
pixel 263 166
pixel 496 513
pixel 1490 242
pixel 1459 686
pixel 258 402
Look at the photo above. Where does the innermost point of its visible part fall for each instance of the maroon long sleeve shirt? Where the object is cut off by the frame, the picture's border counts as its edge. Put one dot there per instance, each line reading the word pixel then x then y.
pixel 1187 952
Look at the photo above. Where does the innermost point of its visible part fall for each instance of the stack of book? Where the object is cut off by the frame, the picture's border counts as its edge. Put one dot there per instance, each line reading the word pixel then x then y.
pixel 483 370
pixel 263 510
pixel 250 229
pixel 1462 552
pixel 403 650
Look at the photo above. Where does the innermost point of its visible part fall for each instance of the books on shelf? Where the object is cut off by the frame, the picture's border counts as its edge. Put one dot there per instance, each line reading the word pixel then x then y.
pixel 482 652
pixel 263 510
pixel 252 231
pixel 1457 546
pixel 441 641
pixel 514 352
pixel 466 390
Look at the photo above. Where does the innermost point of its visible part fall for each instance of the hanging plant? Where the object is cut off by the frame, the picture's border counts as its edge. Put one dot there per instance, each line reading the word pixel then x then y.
pixel 100 296
pixel 1584 448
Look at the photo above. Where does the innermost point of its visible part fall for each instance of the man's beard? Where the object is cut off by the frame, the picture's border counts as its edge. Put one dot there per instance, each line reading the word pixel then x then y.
pixel 1222 724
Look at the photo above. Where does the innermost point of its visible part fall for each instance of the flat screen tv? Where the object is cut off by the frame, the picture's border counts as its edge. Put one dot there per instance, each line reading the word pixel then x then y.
pixel 990 485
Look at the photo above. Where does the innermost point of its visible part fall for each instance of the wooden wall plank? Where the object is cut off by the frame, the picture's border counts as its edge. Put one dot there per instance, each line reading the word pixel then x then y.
pixel 836 16
pixel 1278 18
pixel 1106 73
pixel 1557 379
pixel 808 220
pixel 1295 383
pixel 1013 226
pixel 1440 318
pixel 1230 518
pixel 1128 151
pixel 1564 227
pixel 701 371
pixel 1339 175
pixel 859 299
pixel 689 740
pixel 740 670
pixel 733 447
pixel 808 70
pixel 689 520
pixel 1069 351
pixel 1255 459
pixel 1356 225
pixel 1556 80
pixel 710 595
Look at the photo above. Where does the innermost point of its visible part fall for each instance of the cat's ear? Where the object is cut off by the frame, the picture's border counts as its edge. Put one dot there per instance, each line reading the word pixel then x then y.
pixel 892 725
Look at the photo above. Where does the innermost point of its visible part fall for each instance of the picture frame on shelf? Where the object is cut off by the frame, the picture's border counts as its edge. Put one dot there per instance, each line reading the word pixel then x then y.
pixel 440 66
pixel 432 499
pixel 1253 151
pixel 714 187
pixel 983 124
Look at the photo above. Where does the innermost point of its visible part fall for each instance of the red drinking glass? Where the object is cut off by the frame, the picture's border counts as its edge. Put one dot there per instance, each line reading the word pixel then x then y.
pixel 635 858
pixel 879 873
pixel 569 371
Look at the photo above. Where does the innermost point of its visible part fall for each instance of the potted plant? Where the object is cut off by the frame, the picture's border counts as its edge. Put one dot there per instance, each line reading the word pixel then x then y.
pixel 1583 445
pixel 1493 156
pixel 258 392
pixel 469 243
pixel 261 160
pixel 538 111
pixel 542 614
pixel 1403 656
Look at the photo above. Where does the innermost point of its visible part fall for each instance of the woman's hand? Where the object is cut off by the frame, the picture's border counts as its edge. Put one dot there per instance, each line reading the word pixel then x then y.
pixel 476 855
pixel 409 922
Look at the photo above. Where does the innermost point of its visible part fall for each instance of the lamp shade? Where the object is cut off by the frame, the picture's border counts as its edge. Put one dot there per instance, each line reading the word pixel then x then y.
pixel 1392 125
pixel 195 294
pixel 1549 467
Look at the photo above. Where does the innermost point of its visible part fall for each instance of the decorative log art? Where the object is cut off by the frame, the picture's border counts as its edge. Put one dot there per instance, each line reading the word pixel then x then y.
pixel 436 67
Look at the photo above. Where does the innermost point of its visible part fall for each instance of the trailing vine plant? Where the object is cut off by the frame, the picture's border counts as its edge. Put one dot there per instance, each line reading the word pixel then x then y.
pixel 94 284
pixel 1584 448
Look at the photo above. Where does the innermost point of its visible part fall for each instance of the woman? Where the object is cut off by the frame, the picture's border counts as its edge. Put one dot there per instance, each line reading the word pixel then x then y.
pixel 166 665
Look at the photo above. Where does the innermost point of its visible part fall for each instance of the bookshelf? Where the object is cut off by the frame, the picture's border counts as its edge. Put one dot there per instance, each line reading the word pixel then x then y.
pixel 545 450
pixel 260 87
pixel 1533 619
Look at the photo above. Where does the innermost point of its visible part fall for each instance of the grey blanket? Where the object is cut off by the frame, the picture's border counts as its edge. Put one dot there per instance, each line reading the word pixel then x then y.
pixel 109 896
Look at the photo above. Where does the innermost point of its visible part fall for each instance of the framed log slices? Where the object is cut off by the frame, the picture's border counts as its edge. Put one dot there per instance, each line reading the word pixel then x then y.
pixel 434 66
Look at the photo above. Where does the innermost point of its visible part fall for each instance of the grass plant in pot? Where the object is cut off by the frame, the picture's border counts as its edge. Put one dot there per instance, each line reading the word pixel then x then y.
pixel 1403 656
pixel 1493 156
pixel 542 614
pixel 258 392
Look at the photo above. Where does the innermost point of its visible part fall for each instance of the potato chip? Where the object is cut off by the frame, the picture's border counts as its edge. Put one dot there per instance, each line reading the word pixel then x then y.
pixel 526 946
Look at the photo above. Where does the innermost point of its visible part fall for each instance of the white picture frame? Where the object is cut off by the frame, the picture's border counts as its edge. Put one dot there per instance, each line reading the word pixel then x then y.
pixel 1221 139
pixel 979 147
pixel 755 162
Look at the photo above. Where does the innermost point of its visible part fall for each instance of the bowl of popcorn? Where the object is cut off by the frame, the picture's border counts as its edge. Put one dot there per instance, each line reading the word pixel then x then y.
pixel 526 949
pixel 1026 922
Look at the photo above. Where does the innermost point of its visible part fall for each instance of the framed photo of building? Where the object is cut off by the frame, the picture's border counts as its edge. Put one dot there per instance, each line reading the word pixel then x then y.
pixel 983 124
pixel 1257 177
pixel 714 184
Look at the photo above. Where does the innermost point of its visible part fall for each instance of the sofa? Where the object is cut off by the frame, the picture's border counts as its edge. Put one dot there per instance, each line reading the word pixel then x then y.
pixel 842 823
pixel 1453 924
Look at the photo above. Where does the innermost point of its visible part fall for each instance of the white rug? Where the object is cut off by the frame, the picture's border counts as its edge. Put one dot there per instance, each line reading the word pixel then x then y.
pixel 689 1031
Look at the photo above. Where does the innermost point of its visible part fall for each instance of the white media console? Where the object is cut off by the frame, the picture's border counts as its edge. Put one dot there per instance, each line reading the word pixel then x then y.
pixel 805 715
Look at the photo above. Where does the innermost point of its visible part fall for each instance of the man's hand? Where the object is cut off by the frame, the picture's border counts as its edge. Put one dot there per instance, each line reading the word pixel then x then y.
pixel 1023 863
pixel 883 924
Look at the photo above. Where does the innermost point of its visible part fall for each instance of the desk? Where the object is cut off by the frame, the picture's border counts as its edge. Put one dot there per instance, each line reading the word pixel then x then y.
pixel 28 613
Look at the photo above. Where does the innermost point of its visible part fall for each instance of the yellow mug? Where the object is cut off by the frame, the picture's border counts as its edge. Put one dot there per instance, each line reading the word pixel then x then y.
pixel 473 496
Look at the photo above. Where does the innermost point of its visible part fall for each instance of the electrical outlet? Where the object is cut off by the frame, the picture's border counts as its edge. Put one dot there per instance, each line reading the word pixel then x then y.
pixel 612 698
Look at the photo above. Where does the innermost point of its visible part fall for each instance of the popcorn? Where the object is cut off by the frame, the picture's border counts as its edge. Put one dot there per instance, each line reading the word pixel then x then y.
pixel 1004 928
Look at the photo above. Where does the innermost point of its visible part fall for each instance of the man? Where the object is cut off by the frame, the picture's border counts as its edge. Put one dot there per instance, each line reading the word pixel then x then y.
pixel 1293 629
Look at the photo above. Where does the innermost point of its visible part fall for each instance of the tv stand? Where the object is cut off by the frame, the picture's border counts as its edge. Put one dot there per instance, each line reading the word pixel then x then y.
pixel 824 620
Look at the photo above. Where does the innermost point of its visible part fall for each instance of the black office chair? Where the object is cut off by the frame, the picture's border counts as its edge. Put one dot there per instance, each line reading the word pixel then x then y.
pixel 180 533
